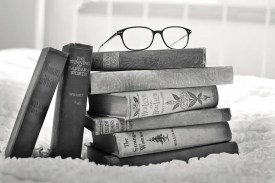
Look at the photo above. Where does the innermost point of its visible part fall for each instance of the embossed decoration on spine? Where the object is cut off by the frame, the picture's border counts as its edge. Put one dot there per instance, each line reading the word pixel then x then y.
pixel 159 138
pixel 186 100
pixel 110 60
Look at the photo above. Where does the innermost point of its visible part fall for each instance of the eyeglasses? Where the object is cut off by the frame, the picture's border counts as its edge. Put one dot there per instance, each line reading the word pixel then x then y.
pixel 140 38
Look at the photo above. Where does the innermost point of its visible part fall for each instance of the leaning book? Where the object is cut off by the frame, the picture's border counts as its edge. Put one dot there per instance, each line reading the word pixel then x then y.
pixel 71 99
pixel 36 102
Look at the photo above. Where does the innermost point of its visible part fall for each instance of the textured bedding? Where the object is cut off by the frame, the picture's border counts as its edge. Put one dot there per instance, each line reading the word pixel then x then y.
pixel 252 102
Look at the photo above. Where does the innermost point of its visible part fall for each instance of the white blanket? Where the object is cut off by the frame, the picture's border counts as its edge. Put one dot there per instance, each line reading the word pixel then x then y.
pixel 252 102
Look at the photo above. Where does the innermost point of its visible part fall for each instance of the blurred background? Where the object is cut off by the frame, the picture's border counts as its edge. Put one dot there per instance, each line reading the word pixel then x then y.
pixel 235 32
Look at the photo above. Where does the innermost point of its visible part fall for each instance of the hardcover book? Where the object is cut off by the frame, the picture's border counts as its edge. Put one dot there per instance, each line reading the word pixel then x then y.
pixel 36 102
pixel 137 80
pixel 149 59
pixel 158 140
pixel 99 157
pixel 108 125
pixel 131 105
pixel 71 99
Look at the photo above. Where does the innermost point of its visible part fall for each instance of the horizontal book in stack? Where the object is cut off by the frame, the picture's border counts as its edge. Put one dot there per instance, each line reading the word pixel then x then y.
pixel 164 110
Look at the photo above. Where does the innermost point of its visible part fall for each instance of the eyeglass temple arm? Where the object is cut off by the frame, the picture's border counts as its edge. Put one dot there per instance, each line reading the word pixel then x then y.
pixel 178 40
pixel 115 34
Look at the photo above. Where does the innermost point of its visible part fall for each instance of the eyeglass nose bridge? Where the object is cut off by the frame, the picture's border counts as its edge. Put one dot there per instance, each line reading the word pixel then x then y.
pixel 157 31
pixel 161 35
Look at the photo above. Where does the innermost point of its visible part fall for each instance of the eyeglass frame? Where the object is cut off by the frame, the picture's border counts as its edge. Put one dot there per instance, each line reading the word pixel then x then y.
pixel 120 33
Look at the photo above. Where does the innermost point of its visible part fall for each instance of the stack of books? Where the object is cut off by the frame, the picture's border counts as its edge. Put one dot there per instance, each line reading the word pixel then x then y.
pixel 144 107
pixel 156 106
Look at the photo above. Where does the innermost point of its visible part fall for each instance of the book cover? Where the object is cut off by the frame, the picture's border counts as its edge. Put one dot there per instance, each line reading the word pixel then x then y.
pixel 107 125
pixel 137 80
pixel 99 157
pixel 158 140
pixel 149 59
pixel 36 102
pixel 140 104
pixel 71 99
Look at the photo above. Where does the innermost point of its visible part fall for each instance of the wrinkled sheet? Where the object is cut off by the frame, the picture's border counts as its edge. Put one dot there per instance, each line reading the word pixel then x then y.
pixel 252 103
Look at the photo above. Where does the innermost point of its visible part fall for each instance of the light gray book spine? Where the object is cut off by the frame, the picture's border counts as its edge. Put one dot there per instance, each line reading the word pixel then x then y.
pixel 122 81
pixel 108 125
pixel 140 104
pixel 159 140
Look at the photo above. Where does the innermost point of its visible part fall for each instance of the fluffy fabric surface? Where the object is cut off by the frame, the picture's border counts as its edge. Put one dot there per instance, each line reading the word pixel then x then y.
pixel 251 100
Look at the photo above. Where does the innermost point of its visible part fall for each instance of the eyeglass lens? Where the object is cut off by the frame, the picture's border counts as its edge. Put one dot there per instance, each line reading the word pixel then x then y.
pixel 175 37
pixel 137 38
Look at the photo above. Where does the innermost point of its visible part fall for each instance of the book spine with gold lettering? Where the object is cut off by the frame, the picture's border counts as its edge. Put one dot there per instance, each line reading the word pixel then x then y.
pixel 149 59
pixel 159 140
pixel 71 99
pixel 36 102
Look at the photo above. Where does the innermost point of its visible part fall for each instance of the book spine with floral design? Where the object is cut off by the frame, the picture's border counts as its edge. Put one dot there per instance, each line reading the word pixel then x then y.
pixel 156 102
pixel 36 102
pixel 138 80
pixel 108 125
pixel 71 99
pixel 149 59
pixel 159 140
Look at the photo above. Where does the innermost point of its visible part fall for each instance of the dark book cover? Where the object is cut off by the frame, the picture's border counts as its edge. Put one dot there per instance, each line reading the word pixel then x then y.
pixel 71 99
pixel 36 102
pixel 99 157
pixel 149 59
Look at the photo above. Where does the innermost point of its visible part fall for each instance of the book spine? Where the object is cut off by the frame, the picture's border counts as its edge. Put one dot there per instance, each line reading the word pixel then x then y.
pixel 36 102
pixel 105 125
pixel 149 59
pixel 159 140
pixel 71 99
pixel 122 81
pixel 158 102
pixel 99 157
pixel 182 154
pixel 180 119
pixel 108 125
pixel 226 114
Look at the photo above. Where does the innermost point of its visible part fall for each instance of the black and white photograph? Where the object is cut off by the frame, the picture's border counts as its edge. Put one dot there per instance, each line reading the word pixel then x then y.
pixel 131 91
